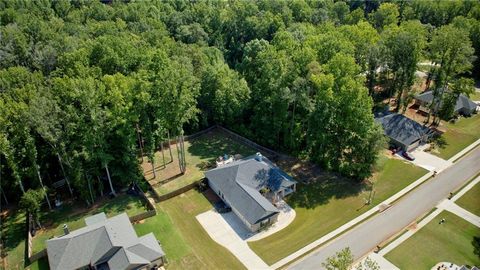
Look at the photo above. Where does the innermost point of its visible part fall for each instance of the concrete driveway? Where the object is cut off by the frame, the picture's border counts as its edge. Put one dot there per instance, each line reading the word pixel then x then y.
pixel 428 161
pixel 220 229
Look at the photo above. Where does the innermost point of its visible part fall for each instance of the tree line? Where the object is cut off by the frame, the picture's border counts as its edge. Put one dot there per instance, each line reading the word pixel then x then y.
pixel 86 86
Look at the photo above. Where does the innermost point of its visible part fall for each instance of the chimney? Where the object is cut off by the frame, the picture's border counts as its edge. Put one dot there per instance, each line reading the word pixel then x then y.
pixel 65 229
pixel 258 156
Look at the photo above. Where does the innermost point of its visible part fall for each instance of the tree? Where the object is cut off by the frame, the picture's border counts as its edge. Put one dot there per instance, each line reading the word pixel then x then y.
pixel 387 14
pixel 340 261
pixel 452 51
pixel 342 134
pixel 458 87
pixel 31 202
pixel 404 46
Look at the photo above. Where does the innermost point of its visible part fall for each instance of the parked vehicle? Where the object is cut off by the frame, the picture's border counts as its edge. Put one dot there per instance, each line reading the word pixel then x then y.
pixel 221 207
pixel 408 156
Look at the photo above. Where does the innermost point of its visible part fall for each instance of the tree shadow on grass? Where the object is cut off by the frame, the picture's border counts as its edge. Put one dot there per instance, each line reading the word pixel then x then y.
pixel 317 186
pixel 440 142
pixel 74 211
pixel 321 192
pixel 13 229
pixel 214 144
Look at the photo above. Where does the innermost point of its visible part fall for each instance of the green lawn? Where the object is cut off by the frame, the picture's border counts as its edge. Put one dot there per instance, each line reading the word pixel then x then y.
pixel 74 216
pixel 186 243
pixel 324 206
pixel 200 153
pixel 471 200
pixel 458 136
pixel 14 231
pixel 434 243
pixel 475 96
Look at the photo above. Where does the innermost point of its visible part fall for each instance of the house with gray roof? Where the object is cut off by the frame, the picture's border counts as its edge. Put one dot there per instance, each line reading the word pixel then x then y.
pixel 105 243
pixel 251 187
pixel 402 131
pixel 463 106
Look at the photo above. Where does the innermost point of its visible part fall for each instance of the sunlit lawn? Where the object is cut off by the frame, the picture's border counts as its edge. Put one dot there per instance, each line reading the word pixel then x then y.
pixel 186 243
pixel 434 243
pixel 475 96
pixel 324 206
pixel 458 136
pixel 471 200
pixel 74 216
pixel 200 155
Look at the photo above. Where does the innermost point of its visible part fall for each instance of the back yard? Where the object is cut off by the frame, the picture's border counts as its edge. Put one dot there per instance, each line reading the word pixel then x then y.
pixel 458 136
pixel 74 216
pixel 184 240
pixel 329 202
pixel 200 156
pixel 14 225
pixel 434 243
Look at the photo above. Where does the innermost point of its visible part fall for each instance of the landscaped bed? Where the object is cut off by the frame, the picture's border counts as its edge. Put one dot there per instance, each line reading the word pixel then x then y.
pixel 200 155
pixel 74 215
pixel 325 205
pixel 434 243
pixel 471 200
pixel 458 136
pixel 183 239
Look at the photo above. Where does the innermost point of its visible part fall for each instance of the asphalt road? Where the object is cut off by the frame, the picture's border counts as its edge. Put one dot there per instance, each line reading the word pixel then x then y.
pixel 366 236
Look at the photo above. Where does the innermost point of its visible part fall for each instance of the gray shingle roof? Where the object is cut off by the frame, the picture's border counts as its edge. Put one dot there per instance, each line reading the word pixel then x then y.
pixel 463 102
pixel 401 128
pixel 241 181
pixel 101 240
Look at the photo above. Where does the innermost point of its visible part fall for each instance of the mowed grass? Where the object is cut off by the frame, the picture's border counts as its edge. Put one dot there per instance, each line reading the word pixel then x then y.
pixel 475 96
pixel 434 243
pixel 74 216
pixel 186 243
pixel 471 200
pixel 200 155
pixel 458 136
pixel 13 230
pixel 322 207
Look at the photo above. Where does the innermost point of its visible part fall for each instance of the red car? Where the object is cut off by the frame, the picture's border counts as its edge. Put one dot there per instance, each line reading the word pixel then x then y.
pixel 408 156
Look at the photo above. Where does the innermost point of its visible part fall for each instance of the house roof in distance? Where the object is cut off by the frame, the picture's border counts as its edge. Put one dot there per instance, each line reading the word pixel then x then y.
pixel 402 128
pixel 112 240
pixel 462 101
pixel 241 181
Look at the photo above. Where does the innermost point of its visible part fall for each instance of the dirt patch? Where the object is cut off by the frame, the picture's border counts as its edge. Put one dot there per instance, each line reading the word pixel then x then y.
pixel 211 196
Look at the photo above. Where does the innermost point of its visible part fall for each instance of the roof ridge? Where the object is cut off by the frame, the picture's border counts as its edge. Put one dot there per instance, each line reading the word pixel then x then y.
pixel 78 235
pixel 248 193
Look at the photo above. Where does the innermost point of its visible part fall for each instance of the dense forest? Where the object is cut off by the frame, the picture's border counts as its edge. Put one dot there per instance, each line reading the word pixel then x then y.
pixel 82 81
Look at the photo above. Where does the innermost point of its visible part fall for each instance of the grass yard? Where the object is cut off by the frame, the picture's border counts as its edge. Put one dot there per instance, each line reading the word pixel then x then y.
pixel 434 243
pixel 471 200
pixel 186 243
pixel 74 216
pixel 323 206
pixel 475 96
pixel 458 136
pixel 13 232
pixel 200 155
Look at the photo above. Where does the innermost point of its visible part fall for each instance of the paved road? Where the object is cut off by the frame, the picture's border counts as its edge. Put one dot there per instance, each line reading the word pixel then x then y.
pixel 377 229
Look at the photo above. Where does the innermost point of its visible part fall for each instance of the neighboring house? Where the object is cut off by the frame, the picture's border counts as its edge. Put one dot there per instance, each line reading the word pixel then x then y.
pixel 250 187
pixel 104 244
pixel 464 105
pixel 403 132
